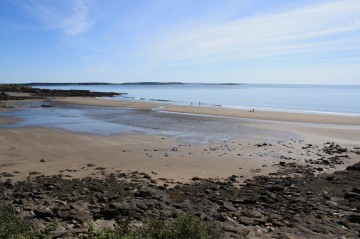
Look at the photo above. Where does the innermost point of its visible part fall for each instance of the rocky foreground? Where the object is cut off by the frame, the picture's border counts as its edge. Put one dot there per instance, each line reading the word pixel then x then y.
pixel 293 203
pixel 22 92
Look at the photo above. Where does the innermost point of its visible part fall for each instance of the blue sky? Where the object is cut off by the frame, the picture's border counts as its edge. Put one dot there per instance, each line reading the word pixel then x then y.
pixel 252 41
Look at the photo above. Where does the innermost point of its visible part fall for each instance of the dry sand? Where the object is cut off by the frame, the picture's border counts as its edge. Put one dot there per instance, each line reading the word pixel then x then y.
pixel 52 152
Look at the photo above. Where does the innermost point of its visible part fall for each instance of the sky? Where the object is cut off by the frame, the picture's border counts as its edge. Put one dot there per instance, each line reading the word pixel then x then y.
pixel 210 41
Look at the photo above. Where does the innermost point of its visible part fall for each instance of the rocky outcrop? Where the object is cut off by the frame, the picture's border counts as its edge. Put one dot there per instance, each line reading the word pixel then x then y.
pixel 35 93
pixel 276 206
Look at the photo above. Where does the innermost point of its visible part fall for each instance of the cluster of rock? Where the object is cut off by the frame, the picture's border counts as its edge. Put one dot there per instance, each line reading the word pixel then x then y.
pixel 35 93
pixel 332 148
pixel 277 206
pixel 334 155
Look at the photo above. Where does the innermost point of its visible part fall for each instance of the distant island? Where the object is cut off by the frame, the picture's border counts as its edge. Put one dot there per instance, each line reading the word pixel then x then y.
pixel 66 84
pixel 223 83
pixel 125 83
pixel 152 83
pixel 100 83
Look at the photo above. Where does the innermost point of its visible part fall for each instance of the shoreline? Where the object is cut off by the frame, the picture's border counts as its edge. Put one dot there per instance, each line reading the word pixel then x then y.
pixel 242 108
pixel 217 111
pixel 171 157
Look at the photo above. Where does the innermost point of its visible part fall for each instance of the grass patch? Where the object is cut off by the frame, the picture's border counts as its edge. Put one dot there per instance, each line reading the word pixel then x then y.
pixel 185 226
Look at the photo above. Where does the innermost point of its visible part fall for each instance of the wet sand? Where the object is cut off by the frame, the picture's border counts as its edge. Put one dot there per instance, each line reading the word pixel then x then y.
pixel 7 120
pixel 48 151
pixel 218 111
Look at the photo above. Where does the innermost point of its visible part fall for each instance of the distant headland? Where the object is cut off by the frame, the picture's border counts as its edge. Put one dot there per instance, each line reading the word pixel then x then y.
pixel 124 83
pixel 23 92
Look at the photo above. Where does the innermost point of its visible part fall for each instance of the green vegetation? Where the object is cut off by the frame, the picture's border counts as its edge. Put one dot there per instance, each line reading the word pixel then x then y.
pixel 14 227
pixel 11 225
pixel 185 226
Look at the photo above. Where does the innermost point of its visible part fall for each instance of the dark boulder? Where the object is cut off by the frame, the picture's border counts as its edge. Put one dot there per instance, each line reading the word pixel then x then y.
pixel 43 213
pixel 354 167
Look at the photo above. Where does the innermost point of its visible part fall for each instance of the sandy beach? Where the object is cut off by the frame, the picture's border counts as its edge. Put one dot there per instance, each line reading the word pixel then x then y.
pixel 70 162
pixel 49 151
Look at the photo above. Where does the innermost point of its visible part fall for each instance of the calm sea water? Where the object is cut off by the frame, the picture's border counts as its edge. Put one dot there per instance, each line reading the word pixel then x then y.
pixel 292 98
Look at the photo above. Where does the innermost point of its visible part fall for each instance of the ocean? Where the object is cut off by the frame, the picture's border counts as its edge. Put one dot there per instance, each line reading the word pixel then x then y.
pixel 323 99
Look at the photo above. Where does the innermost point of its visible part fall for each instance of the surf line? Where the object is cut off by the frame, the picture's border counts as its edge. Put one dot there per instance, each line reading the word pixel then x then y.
pixel 162 109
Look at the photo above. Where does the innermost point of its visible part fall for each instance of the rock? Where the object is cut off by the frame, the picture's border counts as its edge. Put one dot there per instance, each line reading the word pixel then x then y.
pixel 100 224
pixel 276 219
pixel 352 195
pixel 109 213
pixel 354 167
pixel 63 214
pixel 252 214
pixel 276 206
pixel 59 231
pixel 7 193
pixel 334 148
pixel 9 183
pixel 79 206
pixel 275 188
pixel 35 93
pixel 147 193
pixel 354 217
pixel 27 194
pixel 211 210
pixel 230 225
pixel 82 216
pixel 43 213
pixel 355 190
pixel 250 221
pixel 221 217
pixel 174 149
pixel 228 206
pixel 124 208
pixel 232 178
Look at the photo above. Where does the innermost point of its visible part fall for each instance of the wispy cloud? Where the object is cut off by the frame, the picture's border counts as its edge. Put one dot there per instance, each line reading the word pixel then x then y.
pixel 77 23
pixel 70 17
pixel 316 29
pixel 187 40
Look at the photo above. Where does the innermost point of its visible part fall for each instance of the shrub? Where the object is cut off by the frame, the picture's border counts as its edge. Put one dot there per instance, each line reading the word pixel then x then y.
pixel 186 226
pixel 11 225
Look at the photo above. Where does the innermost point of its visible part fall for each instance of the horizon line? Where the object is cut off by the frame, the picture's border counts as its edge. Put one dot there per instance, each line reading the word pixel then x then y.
pixel 170 83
